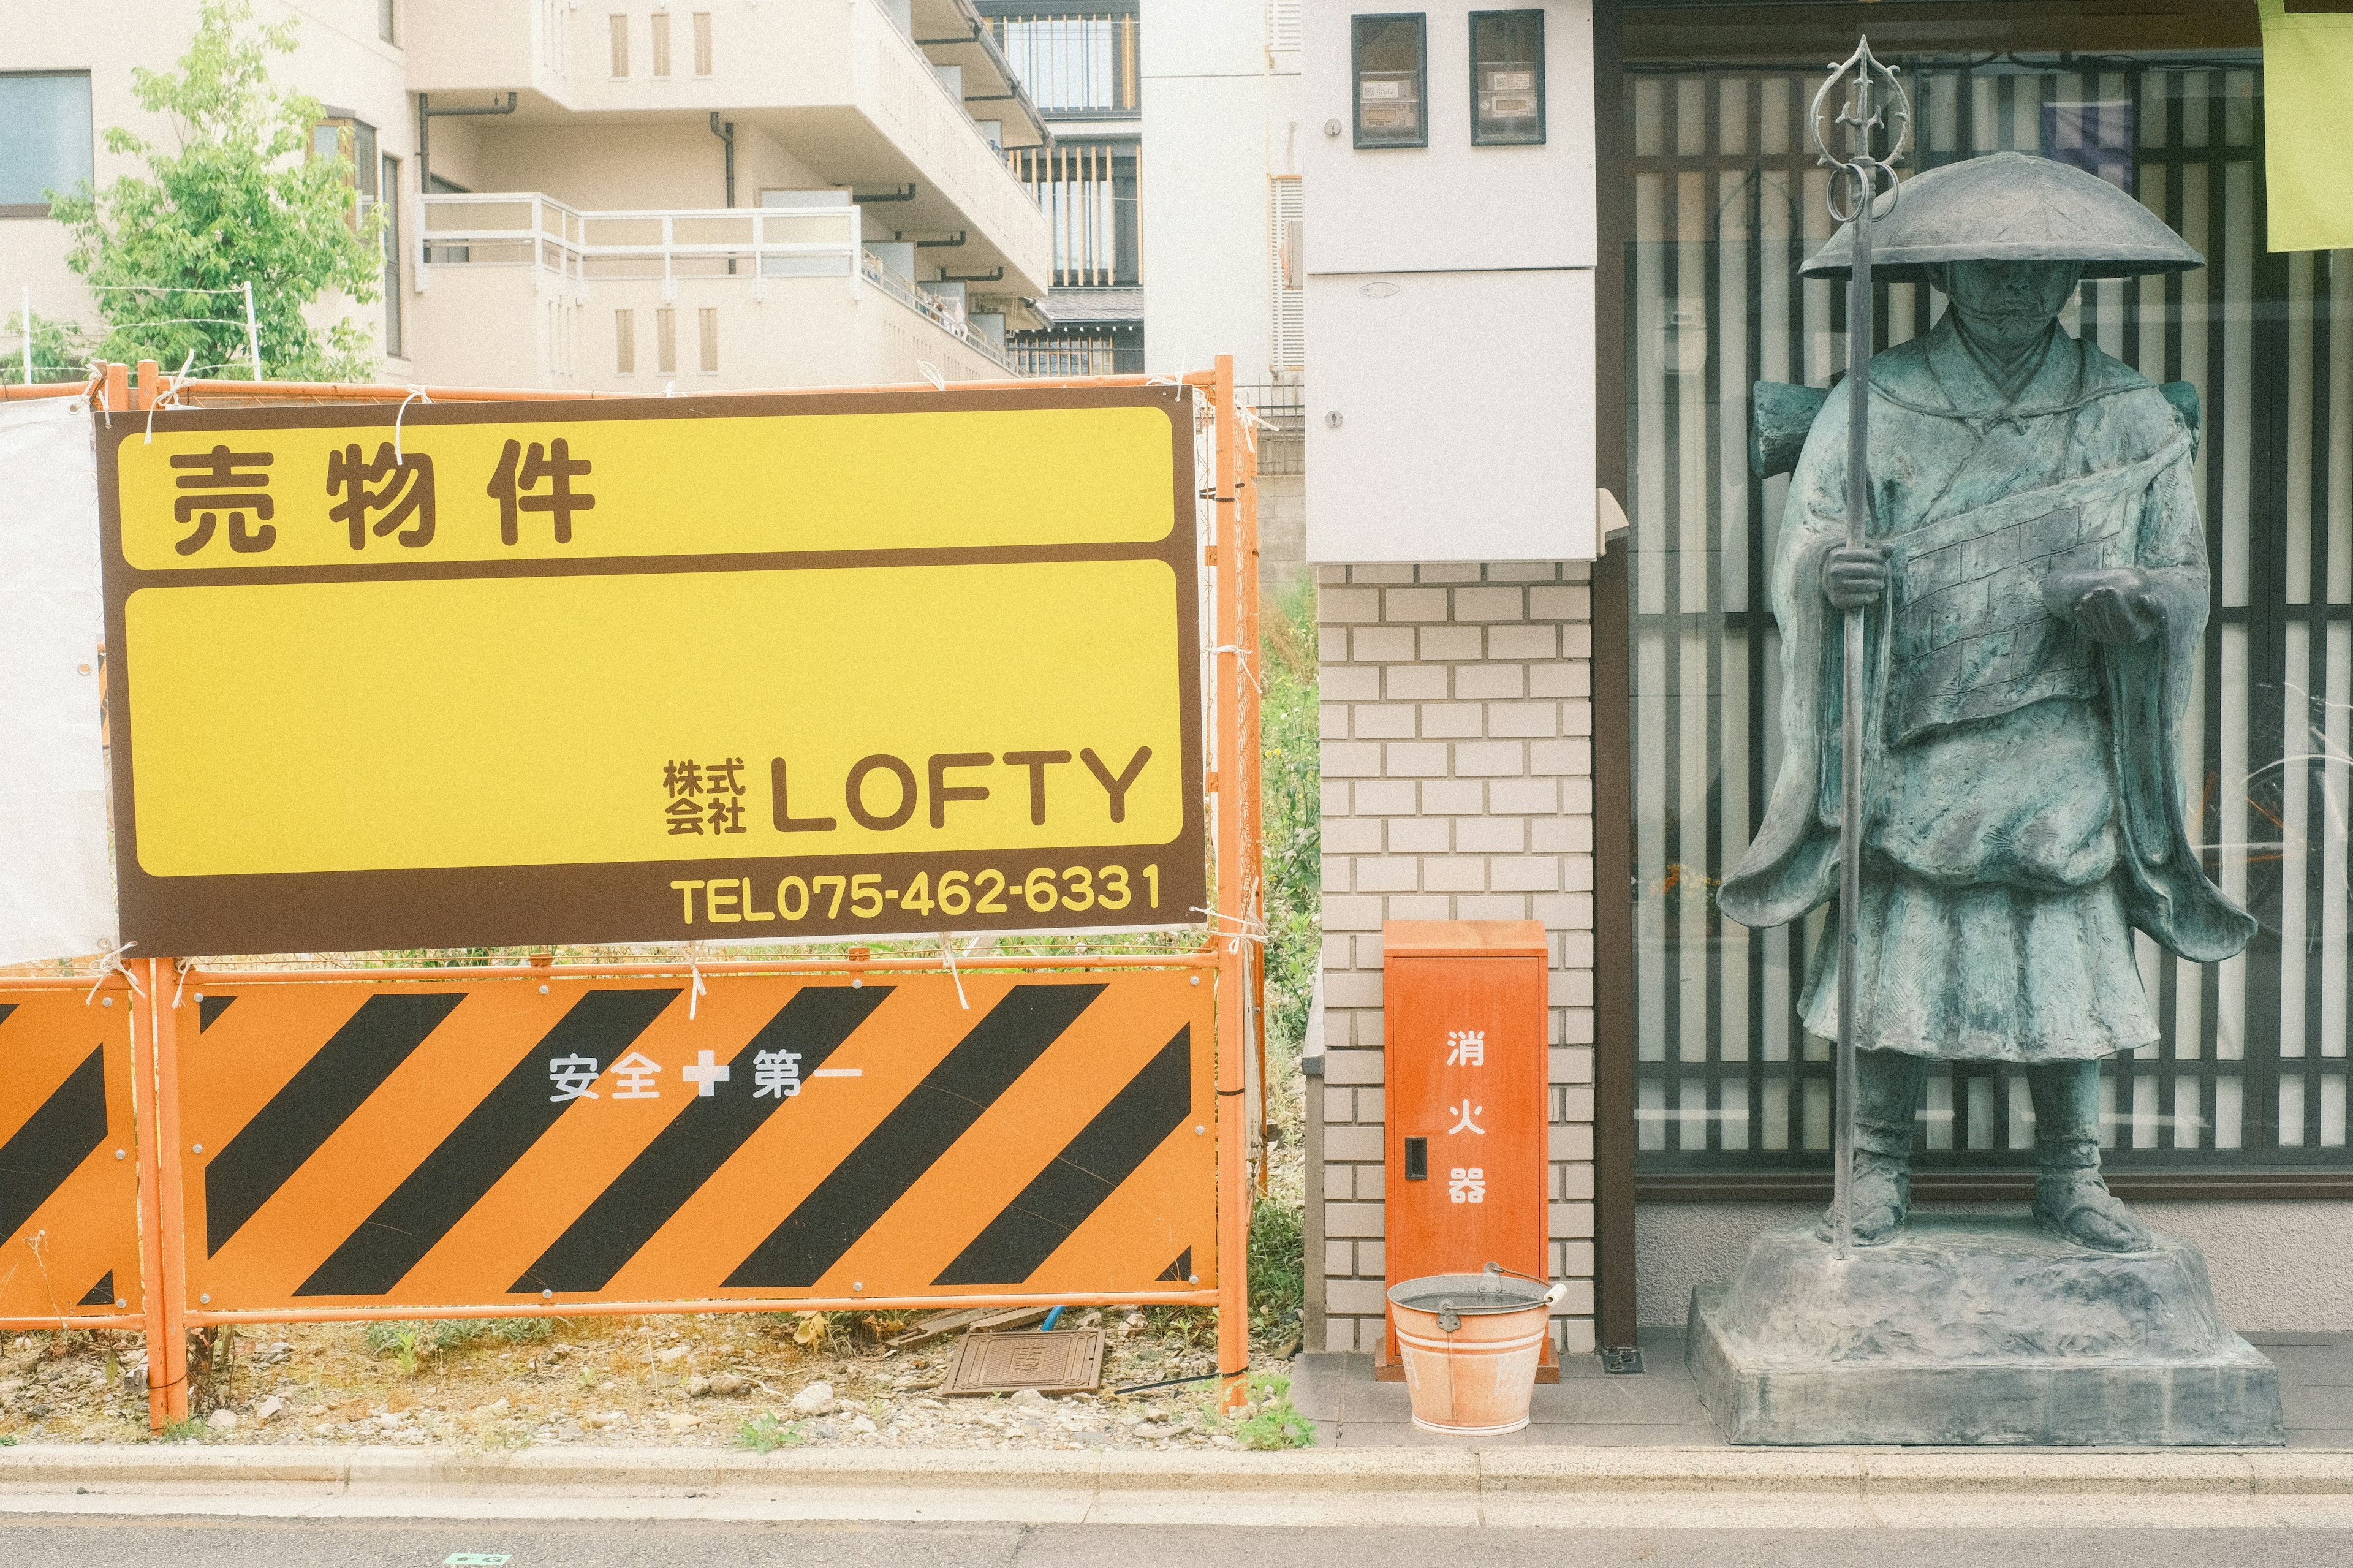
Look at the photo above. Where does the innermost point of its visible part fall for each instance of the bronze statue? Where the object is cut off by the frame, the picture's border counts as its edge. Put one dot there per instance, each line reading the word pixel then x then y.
pixel 2035 570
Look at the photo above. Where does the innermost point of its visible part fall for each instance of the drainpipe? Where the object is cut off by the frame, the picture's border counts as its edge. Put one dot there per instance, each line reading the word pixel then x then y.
pixel 726 133
pixel 426 114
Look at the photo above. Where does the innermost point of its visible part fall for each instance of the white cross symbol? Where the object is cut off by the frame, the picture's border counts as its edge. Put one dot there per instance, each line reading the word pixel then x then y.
pixel 706 1075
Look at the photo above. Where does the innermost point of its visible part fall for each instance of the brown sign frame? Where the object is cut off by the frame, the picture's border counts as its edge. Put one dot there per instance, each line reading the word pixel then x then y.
pixel 632 901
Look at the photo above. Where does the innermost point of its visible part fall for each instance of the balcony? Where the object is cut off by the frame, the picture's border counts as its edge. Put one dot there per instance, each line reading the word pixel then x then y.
pixel 613 109
pixel 658 301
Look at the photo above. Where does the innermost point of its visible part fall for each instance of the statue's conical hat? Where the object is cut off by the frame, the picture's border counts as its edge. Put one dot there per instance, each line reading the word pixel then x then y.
pixel 2008 206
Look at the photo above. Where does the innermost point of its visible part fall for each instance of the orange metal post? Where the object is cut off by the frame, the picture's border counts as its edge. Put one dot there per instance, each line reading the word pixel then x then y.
pixel 1250 693
pixel 1233 1009
pixel 143 395
pixel 160 1209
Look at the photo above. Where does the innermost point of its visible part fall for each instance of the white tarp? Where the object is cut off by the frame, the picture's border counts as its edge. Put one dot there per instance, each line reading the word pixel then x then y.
pixel 57 881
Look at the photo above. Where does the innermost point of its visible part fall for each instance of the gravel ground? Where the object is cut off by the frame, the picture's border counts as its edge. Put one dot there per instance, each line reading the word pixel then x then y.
pixel 711 1380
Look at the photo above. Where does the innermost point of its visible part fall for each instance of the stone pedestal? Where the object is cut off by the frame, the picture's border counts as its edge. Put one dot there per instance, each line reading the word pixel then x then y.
pixel 1976 1328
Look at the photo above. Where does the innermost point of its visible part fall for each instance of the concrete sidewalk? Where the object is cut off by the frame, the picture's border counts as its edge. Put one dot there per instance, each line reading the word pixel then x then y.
pixel 1559 1486
pixel 1658 1406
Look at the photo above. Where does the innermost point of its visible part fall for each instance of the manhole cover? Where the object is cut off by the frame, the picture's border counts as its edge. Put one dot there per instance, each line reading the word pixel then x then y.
pixel 1065 1361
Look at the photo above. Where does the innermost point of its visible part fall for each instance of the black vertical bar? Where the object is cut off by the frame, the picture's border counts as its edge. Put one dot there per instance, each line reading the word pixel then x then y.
pixel 1714 85
pixel 1613 795
pixel 2269 293
pixel 2316 693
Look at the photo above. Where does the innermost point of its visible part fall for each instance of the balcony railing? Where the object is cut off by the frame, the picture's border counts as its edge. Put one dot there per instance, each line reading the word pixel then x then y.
pixel 719 244
pixel 1074 65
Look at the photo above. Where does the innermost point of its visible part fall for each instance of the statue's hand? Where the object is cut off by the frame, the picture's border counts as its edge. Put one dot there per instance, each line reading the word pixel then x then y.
pixel 1854 575
pixel 2114 603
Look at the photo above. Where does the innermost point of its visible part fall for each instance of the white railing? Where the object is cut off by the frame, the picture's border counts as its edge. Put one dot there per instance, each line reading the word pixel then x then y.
pixel 526 228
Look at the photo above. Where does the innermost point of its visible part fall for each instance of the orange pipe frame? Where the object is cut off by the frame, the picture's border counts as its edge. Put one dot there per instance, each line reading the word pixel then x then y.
pixel 1236 928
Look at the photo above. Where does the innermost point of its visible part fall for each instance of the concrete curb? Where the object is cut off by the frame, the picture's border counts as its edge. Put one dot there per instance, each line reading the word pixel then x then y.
pixel 1429 1473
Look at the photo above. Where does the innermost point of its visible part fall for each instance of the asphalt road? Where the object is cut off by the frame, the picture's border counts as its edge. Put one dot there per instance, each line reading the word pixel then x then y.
pixel 50 1542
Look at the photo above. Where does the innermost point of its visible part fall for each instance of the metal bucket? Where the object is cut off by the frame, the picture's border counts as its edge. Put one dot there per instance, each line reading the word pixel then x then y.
pixel 1470 1344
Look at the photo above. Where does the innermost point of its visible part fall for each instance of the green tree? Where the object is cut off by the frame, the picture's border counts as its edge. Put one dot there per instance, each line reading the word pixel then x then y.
pixel 242 200
pixel 57 350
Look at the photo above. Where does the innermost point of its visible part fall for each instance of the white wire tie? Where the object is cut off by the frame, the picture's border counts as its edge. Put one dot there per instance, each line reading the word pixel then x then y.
pixel 414 393
pixel 111 963
pixel 696 991
pixel 1249 930
pixel 932 373
pixel 183 965
pixel 168 395
pixel 947 957
pixel 1241 661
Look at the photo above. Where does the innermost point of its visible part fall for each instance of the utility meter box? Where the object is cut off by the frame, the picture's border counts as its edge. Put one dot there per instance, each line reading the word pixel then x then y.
pixel 1450 234
pixel 1465 1089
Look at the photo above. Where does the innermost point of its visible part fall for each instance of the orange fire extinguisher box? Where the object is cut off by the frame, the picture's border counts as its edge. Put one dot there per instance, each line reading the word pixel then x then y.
pixel 1465 1089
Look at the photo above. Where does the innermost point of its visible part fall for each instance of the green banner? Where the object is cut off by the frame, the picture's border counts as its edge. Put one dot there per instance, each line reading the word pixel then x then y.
pixel 2307 87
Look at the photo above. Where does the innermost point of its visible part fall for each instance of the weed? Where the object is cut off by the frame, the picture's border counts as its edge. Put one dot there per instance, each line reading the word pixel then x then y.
pixel 413 1341
pixel 1278 1273
pixel 188 1431
pixel 1267 1418
pixel 764 1433
pixel 7 1441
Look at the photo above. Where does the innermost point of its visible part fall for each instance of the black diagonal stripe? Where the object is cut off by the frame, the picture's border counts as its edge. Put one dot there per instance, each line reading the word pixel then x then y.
pixel 1180 1270
pixel 6 1008
pixel 101 1294
pixel 53 1142
pixel 1076 1182
pixel 911 1137
pixel 319 1099
pixel 209 1008
pixel 698 1140
pixel 482 1148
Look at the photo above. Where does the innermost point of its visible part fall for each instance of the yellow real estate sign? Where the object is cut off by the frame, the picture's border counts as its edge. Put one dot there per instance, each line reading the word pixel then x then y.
pixel 659 670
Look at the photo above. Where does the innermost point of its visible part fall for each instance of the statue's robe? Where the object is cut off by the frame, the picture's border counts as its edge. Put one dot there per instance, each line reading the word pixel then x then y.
pixel 2025 802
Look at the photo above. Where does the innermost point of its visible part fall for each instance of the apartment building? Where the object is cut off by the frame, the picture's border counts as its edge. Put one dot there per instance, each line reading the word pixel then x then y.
pixel 1220 165
pixel 1081 61
pixel 614 194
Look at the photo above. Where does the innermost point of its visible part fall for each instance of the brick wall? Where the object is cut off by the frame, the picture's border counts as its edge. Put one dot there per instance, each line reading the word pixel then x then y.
pixel 1458 785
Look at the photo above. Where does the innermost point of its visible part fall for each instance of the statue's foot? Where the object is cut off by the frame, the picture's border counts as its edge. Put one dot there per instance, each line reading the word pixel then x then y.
pixel 1883 1197
pixel 2077 1205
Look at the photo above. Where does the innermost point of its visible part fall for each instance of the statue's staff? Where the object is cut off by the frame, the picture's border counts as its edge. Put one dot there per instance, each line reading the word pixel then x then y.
pixel 1858 183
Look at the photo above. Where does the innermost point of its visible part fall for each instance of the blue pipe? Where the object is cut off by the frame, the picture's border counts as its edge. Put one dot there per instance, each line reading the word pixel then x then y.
pixel 1048 1326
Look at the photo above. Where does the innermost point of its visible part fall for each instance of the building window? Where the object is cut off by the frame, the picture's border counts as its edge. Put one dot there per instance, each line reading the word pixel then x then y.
pixel 1725 201
pixel 1508 83
pixel 1072 63
pixel 387 20
pixel 706 322
pixel 703 43
pixel 661 52
pixel 665 341
pixel 1088 192
pixel 353 142
pixel 625 342
pixel 1289 337
pixel 47 144
pixel 1388 58
pixel 390 186
pixel 621 32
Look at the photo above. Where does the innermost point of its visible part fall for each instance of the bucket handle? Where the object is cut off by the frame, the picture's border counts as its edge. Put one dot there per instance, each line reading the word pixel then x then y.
pixel 1495 1271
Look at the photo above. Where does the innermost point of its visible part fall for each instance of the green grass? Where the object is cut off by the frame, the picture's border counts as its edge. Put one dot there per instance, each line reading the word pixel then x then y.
pixel 764 1433
pixel 413 1340
pixel 1268 1420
